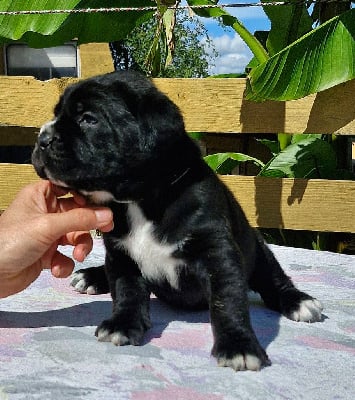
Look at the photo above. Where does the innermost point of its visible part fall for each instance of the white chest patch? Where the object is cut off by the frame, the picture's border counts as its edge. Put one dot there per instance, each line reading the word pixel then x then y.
pixel 153 257
pixel 98 196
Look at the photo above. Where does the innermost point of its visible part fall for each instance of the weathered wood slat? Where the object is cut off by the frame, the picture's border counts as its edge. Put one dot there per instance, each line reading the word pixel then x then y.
pixel 27 102
pixel 298 204
pixel 12 178
pixel 218 105
pixel 208 105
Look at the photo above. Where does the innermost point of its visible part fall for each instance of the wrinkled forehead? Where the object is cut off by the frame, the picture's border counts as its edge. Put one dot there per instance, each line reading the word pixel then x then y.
pixel 81 97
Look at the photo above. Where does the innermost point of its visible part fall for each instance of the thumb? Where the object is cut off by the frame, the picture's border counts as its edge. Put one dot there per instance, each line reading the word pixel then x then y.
pixel 79 219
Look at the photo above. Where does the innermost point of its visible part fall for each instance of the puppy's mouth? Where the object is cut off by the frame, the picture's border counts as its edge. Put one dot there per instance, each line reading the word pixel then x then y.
pixel 95 197
pixel 97 188
pixel 43 171
pixel 60 184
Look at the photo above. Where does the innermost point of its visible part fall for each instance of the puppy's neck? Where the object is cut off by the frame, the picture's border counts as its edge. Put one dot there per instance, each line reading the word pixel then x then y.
pixel 179 176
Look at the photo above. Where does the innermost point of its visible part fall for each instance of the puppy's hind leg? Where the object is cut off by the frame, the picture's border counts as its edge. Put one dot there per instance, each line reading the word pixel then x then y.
pixel 278 291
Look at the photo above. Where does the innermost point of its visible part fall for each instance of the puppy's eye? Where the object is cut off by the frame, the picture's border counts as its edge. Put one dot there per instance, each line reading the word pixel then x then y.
pixel 88 118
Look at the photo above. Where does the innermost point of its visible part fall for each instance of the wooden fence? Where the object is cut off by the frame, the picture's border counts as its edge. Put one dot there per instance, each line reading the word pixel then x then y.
pixel 216 105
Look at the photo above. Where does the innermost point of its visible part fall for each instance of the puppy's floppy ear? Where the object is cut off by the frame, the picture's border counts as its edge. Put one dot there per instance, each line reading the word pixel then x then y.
pixel 160 115
pixel 153 110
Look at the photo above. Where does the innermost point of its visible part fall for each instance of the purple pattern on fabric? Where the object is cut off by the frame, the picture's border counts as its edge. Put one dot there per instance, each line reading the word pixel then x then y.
pixel 48 348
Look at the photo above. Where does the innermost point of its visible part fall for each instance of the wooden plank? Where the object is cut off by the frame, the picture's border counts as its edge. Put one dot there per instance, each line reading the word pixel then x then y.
pixel 299 204
pixel 27 102
pixel 95 59
pixel 208 105
pixel 218 105
pixel 12 178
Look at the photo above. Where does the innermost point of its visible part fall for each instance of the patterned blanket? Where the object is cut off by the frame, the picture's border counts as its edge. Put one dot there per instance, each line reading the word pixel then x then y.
pixel 48 349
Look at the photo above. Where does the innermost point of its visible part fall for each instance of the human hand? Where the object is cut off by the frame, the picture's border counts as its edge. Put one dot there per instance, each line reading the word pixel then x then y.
pixel 35 224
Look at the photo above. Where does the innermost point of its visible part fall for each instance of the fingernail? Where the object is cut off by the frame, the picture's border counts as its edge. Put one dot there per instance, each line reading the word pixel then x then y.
pixel 103 215
pixel 55 270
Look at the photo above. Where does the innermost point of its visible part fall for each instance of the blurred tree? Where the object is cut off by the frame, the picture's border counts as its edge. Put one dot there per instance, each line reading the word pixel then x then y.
pixel 189 55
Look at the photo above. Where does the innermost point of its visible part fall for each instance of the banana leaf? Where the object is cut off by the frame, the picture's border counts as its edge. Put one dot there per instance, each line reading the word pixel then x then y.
pixel 311 157
pixel 288 23
pixel 321 59
pixel 54 29
pixel 223 163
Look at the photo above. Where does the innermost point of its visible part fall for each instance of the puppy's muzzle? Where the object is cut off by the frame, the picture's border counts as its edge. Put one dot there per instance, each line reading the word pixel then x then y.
pixel 47 135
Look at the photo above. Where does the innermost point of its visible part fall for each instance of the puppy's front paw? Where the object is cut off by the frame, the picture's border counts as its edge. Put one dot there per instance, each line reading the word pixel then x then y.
pixel 300 306
pixel 308 311
pixel 104 334
pixel 90 281
pixel 241 362
pixel 114 332
pixel 241 355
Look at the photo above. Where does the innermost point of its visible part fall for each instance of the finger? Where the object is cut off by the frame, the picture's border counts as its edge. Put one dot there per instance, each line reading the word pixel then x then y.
pixel 82 242
pixel 107 228
pixel 61 265
pixel 79 199
pixel 70 203
pixel 76 238
pixel 81 251
pixel 79 219
pixel 58 191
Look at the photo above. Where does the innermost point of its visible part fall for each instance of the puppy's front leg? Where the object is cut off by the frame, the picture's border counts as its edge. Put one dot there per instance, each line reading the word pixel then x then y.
pixel 235 343
pixel 130 316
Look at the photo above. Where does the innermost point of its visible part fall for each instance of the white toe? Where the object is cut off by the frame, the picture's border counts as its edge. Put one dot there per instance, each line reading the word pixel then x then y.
pixel 241 362
pixel 91 290
pixel 308 311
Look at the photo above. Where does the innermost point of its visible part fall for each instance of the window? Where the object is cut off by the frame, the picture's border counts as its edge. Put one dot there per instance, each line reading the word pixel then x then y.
pixel 43 64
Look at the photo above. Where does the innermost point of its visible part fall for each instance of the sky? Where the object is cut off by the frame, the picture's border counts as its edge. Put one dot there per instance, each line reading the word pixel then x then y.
pixel 234 54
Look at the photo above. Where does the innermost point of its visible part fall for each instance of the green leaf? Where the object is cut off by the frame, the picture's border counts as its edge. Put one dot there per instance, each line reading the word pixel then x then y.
pixel 284 140
pixel 197 135
pixel 153 58
pixel 288 23
pixel 14 27
pixel 272 145
pixel 308 158
pixel 298 137
pixel 319 60
pixel 223 163
pixel 272 173
pixel 55 29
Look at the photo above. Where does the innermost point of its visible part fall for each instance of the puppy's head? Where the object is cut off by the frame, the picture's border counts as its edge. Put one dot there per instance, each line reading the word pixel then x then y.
pixel 112 137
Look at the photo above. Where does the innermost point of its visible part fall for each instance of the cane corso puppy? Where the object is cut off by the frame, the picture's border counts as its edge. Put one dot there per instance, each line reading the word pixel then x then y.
pixel 179 233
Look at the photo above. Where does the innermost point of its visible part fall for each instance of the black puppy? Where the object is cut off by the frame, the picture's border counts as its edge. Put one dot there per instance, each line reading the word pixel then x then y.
pixel 178 232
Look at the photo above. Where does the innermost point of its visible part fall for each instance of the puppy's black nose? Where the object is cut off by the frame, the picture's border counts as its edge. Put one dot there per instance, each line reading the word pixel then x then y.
pixel 47 135
pixel 45 139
